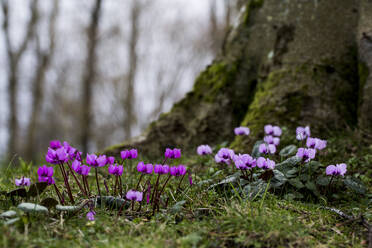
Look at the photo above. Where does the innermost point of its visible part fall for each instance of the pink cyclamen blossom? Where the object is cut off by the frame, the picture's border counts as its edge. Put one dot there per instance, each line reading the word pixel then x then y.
pixel 111 160
pixel 204 150
pixel 45 174
pixel 224 155
pixel 57 156
pixel 244 162
pixel 115 169
pixel 273 130
pixel 266 149
pixel 134 195
pixel 306 154
pixel 302 132
pixel 129 154
pixel 161 169
pixel 241 131
pixel 271 140
pixel 24 181
pixel 55 144
pixel 91 215
pixel 175 153
pixel 265 163
pixel 316 143
pixel 335 170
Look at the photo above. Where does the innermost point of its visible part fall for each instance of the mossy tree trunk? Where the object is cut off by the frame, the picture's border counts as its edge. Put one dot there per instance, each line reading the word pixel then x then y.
pixel 287 63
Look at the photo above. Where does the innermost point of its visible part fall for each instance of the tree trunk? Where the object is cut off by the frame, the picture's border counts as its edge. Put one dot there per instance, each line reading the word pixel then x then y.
pixel 287 63
pixel 89 76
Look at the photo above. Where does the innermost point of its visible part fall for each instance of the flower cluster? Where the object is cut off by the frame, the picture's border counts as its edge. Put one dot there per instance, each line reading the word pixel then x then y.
pixel 244 162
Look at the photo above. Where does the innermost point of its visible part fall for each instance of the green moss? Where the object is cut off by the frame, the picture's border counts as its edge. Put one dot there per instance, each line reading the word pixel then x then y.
pixel 216 77
pixel 251 5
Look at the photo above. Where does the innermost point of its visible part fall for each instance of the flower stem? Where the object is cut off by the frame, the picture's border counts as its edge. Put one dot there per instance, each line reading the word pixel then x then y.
pixel 99 190
pixel 77 181
pixel 155 188
pixel 121 187
pixel 61 200
pixel 330 182
pixel 139 181
pixel 179 184
pixel 87 184
pixel 66 183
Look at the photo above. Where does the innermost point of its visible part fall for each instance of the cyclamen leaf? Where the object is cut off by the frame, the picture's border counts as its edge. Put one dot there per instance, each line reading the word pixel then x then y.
pixel 288 151
pixel 67 208
pixel 323 181
pixel 278 179
pixel 49 202
pixel 8 214
pixel 355 185
pixel 21 192
pixel 36 189
pixel 296 183
pixel 178 206
pixel 32 208
pixel 255 150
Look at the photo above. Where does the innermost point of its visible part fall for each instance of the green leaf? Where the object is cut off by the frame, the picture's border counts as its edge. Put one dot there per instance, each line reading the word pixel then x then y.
pixel 49 202
pixel 21 192
pixel 288 164
pixel 112 202
pixel 355 185
pixel 255 150
pixel 288 151
pixel 322 180
pixel 254 189
pixel 8 214
pixel 296 183
pixel 230 179
pixel 291 173
pixel 32 208
pixel 12 221
pixel 178 206
pixel 36 189
pixel 278 180
pixel 67 208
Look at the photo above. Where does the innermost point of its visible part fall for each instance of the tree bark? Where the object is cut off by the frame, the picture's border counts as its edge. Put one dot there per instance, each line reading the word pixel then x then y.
pixel 89 76
pixel 287 63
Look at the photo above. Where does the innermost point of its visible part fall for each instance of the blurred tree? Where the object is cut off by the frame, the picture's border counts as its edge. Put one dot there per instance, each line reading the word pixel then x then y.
pixel 14 56
pixel 89 76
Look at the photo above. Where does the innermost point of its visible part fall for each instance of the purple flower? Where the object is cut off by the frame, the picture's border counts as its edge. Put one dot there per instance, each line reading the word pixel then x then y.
pixel 204 150
pixel 173 170
pixel 175 153
pixel 190 179
pixel 141 167
pixel 71 151
pixel 80 169
pixel 115 169
pixel 265 163
pixel 339 169
pixel 241 131
pixel 149 168
pixel 181 170
pixel 178 170
pixel 165 169
pixel 224 155
pixel 273 130
pixel 46 174
pixel 302 132
pixel 134 195
pixel 129 154
pixel 55 144
pixel 306 154
pixel 24 181
pixel 266 149
pixel 316 143
pixel 101 160
pixel 56 156
pixel 269 139
pixel 91 215
pixel 92 160
pixel 110 160
pixel 244 162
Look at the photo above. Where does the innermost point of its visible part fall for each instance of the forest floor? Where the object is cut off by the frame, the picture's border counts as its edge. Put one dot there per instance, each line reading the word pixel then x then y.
pixel 197 217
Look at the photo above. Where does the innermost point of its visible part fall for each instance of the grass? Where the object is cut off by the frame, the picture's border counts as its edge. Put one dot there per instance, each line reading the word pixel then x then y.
pixel 208 217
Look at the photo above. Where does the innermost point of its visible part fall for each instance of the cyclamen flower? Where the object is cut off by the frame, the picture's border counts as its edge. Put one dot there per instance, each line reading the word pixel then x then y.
pixel 24 181
pixel 204 150
pixel 241 131
pixel 306 154
pixel 178 170
pixel 269 139
pixel 91 215
pixel 302 132
pixel 266 149
pixel 339 169
pixel 273 130
pixel 161 169
pixel 224 155
pixel 316 143
pixel 129 154
pixel 80 169
pixel 115 169
pixel 57 156
pixel 55 144
pixel 95 161
pixel 110 160
pixel 101 160
pixel 244 162
pixel 71 151
pixel 175 153
pixel 144 168
pixel 46 174
pixel 134 195
pixel 265 163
